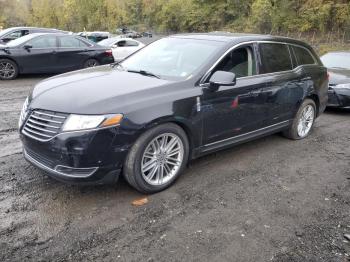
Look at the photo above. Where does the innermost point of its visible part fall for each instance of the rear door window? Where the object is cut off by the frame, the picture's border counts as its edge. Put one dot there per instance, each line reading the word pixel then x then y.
pixel 274 58
pixel 71 42
pixel 303 56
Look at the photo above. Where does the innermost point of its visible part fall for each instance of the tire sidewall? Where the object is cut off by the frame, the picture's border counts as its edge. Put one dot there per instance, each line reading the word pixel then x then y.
pixel 297 118
pixel 149 136
pixel 14 65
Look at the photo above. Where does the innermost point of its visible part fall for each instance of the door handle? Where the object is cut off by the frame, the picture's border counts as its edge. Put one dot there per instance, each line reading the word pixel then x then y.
pixel 54 52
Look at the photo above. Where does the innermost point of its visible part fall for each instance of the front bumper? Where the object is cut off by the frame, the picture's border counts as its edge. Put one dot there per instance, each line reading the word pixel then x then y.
pixel 84 157
pixel 338 97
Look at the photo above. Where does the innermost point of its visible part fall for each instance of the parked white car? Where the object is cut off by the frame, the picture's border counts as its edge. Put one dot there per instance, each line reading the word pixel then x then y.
pixel 121 47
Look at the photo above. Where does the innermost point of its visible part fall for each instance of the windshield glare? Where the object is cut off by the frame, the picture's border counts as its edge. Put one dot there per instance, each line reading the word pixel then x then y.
pixel 336 60
pixel 5 31
pixel 173 57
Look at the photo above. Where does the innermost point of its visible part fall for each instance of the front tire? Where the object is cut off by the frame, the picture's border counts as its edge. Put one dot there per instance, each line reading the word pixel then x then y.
pixel 8 69
pixel 157 158
pixel 303 121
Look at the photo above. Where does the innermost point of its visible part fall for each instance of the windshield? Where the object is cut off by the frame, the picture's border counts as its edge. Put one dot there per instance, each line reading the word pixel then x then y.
pixel 336 60
pixel 108 41
pixel 5 31
pixel 20 40
pixel 174 58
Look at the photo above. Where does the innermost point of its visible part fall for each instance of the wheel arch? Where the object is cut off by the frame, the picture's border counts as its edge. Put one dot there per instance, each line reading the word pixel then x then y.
pixel 13 60
pixel 316 99
pixel 183 124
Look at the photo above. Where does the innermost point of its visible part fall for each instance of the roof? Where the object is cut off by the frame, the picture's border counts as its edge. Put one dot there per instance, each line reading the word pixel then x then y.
pixel 237 37
pixel 32 27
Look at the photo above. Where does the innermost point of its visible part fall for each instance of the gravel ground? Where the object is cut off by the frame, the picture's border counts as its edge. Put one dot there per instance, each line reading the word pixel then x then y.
pixel 269 200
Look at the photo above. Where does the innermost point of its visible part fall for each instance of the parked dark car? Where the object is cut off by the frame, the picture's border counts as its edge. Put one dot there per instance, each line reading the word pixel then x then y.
pixel 338 64
pixel 50 53
pixel 13 33
pixel 147 34
pixel 175 100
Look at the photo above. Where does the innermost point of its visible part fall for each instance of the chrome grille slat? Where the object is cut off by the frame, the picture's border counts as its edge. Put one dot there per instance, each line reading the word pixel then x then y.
pixel 41 129
pixel 46 114
pixel 37 133
pixel 44 119
pixel 43 125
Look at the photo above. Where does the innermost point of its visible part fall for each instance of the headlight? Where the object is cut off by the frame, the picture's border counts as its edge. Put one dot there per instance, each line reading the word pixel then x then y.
pixel 343 86
pixel 24 113
pixel 82 122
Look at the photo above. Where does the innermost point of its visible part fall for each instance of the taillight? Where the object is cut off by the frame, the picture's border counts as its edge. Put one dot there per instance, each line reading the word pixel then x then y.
pixel 108 53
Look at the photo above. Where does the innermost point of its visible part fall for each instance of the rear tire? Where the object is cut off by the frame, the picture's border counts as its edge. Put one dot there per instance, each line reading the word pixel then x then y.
pixel 8 69
pixel 91 63
pixel 303 121
pixel 157 158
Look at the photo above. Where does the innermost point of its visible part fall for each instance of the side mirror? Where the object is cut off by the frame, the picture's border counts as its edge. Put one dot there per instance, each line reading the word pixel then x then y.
pixel 221 78
pixel 27 47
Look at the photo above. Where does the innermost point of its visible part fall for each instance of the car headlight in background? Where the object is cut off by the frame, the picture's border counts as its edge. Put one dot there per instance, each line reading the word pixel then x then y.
pixel 24 112
pixel 83 122
pixel 343 86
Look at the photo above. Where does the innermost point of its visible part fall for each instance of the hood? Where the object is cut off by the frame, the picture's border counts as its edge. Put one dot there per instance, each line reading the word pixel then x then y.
pixel 338 76
pixel 100 90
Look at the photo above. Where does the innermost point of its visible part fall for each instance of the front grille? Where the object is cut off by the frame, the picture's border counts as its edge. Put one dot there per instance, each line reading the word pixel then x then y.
pixel 43 125
pixel 42 159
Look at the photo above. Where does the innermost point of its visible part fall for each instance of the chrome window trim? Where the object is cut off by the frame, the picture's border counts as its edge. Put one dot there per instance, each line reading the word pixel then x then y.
pixel 202 81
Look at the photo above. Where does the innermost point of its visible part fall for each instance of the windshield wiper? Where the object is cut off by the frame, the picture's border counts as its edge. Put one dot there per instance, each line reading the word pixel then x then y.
pixel 117 64
pixel 143 72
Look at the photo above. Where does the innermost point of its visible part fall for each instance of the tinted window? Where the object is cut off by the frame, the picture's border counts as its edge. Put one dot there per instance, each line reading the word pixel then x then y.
pixel 43 42
pixel 71 42
pixel 303 56
pixel 275 58
pixel 240 61
pixel 121 43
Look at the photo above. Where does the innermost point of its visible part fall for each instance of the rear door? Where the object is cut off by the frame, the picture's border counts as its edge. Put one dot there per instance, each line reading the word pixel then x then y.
pixel 72 53
pixel 40 57
pixel 282 88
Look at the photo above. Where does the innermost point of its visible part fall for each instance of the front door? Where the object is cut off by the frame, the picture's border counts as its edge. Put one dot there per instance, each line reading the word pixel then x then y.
pixel 234 110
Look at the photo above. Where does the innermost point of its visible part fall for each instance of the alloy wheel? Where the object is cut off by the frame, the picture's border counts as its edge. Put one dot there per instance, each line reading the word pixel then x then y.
pixel 91 63
pixel 7 70
pixel 306 121
pixel 162 159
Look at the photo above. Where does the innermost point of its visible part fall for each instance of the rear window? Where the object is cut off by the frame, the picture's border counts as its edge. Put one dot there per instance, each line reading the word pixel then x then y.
pixel 275 58
pixel 303 56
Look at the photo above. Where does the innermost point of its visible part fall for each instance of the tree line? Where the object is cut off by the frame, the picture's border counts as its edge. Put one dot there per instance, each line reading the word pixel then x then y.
pixel 170 16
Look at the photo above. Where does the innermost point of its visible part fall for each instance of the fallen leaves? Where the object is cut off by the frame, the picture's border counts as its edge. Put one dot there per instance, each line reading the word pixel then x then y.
pixel 140 201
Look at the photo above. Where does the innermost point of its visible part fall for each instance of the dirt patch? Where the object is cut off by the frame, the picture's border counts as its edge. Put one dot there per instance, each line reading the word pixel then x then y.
pixel 269 200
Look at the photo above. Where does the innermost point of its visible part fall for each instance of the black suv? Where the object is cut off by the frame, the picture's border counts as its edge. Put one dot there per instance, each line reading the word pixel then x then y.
pixel 175 100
